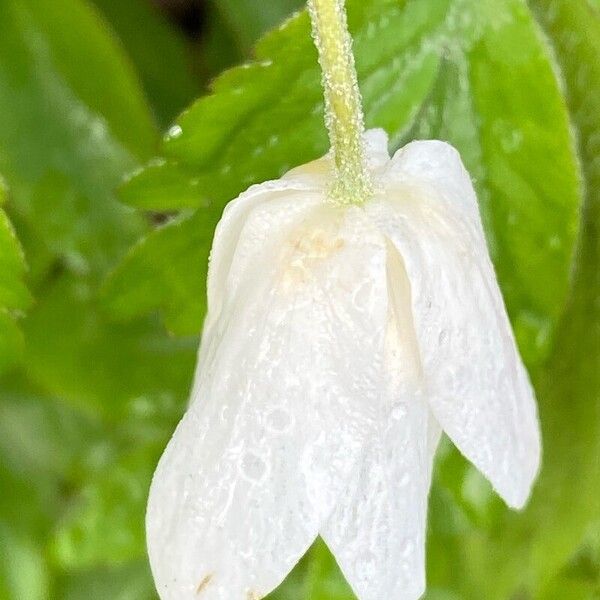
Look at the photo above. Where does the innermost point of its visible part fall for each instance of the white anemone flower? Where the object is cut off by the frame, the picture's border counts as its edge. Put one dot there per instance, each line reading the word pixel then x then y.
pixel 340 341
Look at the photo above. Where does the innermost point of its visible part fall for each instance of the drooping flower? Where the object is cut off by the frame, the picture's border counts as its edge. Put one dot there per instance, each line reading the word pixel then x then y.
pixel 340 341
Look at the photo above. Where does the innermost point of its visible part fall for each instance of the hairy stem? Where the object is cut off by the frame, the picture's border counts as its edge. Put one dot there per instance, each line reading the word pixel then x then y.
pixel 343 108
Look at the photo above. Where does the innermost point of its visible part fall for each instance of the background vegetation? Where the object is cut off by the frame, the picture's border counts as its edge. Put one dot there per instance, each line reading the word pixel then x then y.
pixel 106 225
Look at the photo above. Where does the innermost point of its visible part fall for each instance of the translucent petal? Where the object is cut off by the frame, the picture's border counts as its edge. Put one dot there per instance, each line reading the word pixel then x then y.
pixel 477 386
pixel 377 531
pixel 230 226
pixel 285 398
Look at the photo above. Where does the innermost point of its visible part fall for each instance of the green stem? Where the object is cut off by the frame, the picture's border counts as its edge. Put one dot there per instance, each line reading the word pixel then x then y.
pixel 343 108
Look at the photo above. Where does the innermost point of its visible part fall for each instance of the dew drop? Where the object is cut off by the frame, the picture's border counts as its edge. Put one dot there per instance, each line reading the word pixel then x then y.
pixel 174 132
pixel 224 415
pixel 443 337
pixel 367 566
pixel 555 242
pixel 399 412
pixel 154 162
pixel 408 548
pixel 253 466
pixel 362 296
pixel 404 480
pixel 141 406
pixel 279 420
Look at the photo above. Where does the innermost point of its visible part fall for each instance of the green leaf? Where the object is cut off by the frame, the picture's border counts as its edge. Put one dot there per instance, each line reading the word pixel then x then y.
pixel 14 296
pixel 526 551
pixel 39 436
pixel 580 579
pixel 324 580
pixel 130 581
pixel 165 186
pixel 72 121
pixel 22 570
pixel 47 34
pixel 159 51
pixel 41 446
pixel 78 482
pixel 60 120
pixel 572 380
pixel 74 353
pixel 13 293
pixel 316 577
pixel 11 341
pixel 249 22
pixel 486 103
pixel 155 274
pixel 105 523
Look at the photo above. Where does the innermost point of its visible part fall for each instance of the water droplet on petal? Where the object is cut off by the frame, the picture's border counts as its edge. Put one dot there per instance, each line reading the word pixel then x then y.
pixel 399 412
pixel 367 562
pixel 279 420
pixel 443 337
pixel 404 480
pixel 253 467
pixel 408 548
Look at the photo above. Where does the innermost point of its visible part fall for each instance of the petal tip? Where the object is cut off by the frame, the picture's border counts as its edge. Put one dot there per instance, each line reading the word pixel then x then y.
pixel 517 491
pixel 434 154
pixel 376 139
pixel 376 147
pixel 438 166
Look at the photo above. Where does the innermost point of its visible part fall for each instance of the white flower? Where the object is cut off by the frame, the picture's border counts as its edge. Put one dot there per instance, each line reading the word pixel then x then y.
pixel 339 342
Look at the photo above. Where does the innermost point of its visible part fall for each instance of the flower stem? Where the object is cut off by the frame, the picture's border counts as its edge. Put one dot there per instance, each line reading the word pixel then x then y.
pixel 343 108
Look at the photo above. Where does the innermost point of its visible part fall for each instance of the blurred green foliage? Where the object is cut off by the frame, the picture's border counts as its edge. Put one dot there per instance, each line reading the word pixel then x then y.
pixel 14 295
pixel 102 286
pixel 159 53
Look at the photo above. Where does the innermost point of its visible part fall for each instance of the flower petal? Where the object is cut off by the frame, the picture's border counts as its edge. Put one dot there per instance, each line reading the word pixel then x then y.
pixel 230 226
pixel 377 532
pixel 312 177
pixel 477 385
pixel 284 398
